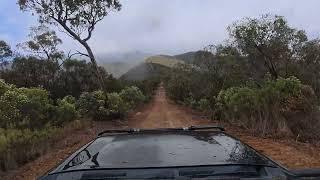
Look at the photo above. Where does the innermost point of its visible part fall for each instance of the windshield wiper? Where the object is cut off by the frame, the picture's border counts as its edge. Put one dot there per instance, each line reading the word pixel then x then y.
pixel 191 128
pixel 123 175
pixel 99 175
pixel 202 174
pixel 115 131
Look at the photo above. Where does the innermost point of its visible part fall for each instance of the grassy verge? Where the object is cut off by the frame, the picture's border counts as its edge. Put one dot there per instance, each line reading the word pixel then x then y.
pixel 18 147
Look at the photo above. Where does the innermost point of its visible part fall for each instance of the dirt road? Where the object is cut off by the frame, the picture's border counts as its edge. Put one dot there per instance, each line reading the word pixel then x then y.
pixel 161 112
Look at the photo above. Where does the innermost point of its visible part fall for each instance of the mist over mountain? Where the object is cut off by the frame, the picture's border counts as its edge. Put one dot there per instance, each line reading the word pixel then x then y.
pixel 120 63
pixel 154 65
pixel 131 56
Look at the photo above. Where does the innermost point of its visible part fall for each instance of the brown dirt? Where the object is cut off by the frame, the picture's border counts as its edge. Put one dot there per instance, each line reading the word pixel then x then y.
pixel 162 113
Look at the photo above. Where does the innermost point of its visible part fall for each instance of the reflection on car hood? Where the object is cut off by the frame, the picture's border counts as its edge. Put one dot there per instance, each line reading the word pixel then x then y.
pixel 162 149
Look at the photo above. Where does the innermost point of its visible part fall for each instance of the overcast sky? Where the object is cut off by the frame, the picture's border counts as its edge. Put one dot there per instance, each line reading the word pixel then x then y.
pixel 167 26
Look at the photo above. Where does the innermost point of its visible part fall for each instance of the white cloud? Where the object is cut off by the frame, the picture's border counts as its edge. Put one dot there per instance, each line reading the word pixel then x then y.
pixel 174 26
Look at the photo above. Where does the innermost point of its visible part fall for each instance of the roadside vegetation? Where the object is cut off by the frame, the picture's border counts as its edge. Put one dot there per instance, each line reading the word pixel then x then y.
pixel 264 79
pixel 30 119
pixel 46 93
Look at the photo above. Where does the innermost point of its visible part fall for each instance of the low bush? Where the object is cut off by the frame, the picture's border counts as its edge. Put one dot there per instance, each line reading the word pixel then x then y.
pixel 93 105
pixel 33 109
pixel 147 86
pixel 132 95
pixel 4 87
pixel 24 108
pixel 64 112
pixel 270 108
pixel 105 106
pixel 204 105
pixel 30 120
pixel 116 106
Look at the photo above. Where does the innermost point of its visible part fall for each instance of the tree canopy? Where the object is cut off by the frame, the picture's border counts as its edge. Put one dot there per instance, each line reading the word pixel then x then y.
pixel 78 18
pixel 268 38
pixel 43 43
pixel 5 52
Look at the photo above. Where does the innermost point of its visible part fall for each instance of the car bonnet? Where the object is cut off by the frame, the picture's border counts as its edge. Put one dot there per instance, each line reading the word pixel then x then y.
pixel 162 149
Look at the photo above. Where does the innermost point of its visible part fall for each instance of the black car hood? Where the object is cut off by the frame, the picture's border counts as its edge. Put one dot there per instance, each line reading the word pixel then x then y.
pixel 162 149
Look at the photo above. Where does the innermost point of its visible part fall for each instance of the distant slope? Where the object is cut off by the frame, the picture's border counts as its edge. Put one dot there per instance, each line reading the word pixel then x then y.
pixel 164 60
pixel 186 57
pixel 143 71
pixel 120 63
pixel 155 65
pixel 119 68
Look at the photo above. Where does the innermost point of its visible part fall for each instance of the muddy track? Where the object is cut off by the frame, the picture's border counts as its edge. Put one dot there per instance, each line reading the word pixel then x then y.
pixel 162 113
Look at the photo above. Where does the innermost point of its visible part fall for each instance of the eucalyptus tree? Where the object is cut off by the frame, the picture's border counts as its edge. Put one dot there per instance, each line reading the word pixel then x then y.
pixel 268 39
pixel 78 19
pixel 43 43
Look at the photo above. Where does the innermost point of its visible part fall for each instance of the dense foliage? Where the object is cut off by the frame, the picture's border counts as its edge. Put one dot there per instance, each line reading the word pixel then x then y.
pixel 280 105
pixel 264 79
pixel 72 77
pixel 78 19
pixel 29 117
pixel 98 105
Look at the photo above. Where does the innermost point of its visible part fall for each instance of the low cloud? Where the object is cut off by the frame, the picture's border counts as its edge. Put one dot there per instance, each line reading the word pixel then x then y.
pixel 176 26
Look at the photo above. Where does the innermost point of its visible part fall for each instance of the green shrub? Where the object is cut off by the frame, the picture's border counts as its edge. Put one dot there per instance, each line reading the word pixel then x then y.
pixel 191 102
pixel 64 112
pixel 69 99
pixel 4 87
pixel 22 107
pixel 32 108
pixel 98 106
pixel 10 105
pixel 179 87
pixel 93 105
pixel 35 110
pixel 270 108
pixel 204 105
pixel 132 95
pixel 147 86
pixel 117 107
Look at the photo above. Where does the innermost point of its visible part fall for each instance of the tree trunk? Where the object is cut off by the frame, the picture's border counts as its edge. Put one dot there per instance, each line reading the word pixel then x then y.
pixel 94 64
pixel 90 53
pixel 269 63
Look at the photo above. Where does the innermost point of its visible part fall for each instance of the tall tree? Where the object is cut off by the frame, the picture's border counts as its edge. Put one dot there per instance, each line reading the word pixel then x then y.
pixel 77 17
pixel 43 43
pixel 5 52
pixel 268 38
